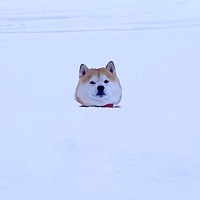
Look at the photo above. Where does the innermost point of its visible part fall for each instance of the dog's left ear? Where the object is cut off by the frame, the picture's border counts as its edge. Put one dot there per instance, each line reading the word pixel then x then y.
pixel 83 70
pixel 111 67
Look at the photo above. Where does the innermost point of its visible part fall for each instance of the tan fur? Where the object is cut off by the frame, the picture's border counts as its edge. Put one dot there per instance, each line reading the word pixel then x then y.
pixel 97 72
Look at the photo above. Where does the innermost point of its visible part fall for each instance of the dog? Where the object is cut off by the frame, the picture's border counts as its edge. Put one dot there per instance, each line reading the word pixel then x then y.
pixel 98 87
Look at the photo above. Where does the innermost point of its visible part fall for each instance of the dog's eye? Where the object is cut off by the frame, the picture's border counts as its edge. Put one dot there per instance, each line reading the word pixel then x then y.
pixel 106 81
pixel 92 82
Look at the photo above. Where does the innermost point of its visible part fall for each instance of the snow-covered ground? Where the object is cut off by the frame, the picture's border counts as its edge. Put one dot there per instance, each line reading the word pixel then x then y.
pixel 50 148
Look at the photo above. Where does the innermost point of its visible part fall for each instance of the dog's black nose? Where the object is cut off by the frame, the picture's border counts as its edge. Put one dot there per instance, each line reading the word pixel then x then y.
pixel 100 88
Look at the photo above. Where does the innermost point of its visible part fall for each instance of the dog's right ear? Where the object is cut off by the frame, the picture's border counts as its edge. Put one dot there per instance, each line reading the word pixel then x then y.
pixel 83 70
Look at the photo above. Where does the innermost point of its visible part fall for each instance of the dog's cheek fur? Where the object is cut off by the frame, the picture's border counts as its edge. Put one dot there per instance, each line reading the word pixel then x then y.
pixel 78 99
pixel 81 94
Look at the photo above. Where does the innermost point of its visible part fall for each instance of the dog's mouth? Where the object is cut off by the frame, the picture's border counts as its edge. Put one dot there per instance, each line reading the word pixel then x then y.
pixel 100 95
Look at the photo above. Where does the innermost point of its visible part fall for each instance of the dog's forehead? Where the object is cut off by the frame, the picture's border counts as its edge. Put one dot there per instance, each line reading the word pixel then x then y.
pixel 99 73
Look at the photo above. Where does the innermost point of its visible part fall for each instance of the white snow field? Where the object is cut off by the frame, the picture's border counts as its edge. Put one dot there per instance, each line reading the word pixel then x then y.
pixel 51 149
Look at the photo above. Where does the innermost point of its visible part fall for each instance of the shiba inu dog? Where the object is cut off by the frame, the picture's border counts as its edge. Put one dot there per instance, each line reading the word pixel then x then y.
pixel 98 87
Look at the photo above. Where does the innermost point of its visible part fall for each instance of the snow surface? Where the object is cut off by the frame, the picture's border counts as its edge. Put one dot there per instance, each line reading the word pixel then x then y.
pixel 50 148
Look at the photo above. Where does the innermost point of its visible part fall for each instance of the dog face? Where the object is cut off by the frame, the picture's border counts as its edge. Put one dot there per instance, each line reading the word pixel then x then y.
pixel 98 87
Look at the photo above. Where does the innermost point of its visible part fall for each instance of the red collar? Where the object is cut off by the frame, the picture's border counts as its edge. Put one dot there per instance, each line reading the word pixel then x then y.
pixel 110 105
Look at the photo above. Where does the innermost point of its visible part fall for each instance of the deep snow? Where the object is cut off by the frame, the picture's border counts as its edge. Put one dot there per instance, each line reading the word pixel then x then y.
pixel 50 148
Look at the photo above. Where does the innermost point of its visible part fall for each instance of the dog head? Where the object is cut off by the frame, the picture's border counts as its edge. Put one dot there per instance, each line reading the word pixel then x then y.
pixel 98 87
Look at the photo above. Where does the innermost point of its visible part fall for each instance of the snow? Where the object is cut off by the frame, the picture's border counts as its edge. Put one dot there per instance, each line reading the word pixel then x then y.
pixel 50 148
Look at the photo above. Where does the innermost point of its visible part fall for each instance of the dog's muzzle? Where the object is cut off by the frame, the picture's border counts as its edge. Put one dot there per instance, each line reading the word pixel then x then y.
pixel 100 90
